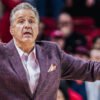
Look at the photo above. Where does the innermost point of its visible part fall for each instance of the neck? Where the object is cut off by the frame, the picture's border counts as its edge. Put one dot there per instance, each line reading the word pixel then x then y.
pixel 26 47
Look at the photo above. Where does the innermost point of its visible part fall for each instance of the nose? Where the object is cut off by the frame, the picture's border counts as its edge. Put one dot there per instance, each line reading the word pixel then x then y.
pixel 27 25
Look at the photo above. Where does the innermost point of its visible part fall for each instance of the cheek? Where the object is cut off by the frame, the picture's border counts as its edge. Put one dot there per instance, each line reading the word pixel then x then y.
pixel 19 27
pixel 35 30
pixel 18 30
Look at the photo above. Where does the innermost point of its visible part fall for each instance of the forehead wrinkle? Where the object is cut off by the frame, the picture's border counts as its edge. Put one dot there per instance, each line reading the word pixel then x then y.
pixel 21 17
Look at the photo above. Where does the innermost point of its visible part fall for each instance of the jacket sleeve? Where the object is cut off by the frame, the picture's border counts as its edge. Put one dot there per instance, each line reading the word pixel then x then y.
pixel 76 69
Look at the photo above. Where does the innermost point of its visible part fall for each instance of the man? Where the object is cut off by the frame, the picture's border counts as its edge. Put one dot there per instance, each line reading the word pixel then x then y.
pixel 96 42
pixel 72 37
pixel 32 70
pixel 93 88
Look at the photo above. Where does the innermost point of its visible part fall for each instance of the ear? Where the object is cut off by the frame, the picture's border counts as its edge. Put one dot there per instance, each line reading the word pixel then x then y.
pixel 11 30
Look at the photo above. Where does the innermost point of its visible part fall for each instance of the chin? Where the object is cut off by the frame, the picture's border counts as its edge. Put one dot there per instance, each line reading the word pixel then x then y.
pixel 28 41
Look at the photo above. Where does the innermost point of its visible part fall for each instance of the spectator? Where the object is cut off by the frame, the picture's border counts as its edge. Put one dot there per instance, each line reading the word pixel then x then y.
pixel 95 55
pixel 57 36
pixel 82 53
pixel 96 42
pixel 93 88
pixel 73 39
pixel 65 24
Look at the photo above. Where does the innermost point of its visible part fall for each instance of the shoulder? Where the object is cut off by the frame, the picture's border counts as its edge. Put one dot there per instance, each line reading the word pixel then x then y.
pixel 2 49
pixel 2 46
pixel 47 44
pixel 49 47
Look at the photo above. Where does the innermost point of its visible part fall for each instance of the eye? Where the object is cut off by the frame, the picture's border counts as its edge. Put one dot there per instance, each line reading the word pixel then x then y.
pixel 31 21
pixel 21 21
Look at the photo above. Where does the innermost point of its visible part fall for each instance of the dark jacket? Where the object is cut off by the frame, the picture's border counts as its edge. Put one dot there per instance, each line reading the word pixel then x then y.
pixel 13 80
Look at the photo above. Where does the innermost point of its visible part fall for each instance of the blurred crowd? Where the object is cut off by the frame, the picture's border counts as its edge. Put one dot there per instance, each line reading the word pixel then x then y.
pixel 75 26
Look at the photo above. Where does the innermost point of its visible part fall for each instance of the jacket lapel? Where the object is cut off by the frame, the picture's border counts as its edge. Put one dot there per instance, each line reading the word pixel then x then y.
pixel 17 65
pixel 44 65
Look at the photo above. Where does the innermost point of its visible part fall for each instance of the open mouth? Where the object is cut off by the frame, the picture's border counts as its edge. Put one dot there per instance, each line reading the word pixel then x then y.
pixel 27 34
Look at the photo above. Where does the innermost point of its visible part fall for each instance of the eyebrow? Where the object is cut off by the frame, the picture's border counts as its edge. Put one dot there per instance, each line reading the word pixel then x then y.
pixel 22 17
pixel 32 17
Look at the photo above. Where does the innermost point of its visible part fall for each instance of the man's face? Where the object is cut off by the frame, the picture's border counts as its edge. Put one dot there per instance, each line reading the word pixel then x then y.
pixel 97 44
pixel 95 55
pixel 24 27
pixel 65 24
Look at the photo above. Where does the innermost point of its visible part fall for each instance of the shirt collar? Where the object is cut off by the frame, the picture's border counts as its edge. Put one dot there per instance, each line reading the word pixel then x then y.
pixel 21 52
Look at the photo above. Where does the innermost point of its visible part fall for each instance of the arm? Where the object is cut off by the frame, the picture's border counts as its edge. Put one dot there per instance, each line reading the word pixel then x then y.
pixel 76 69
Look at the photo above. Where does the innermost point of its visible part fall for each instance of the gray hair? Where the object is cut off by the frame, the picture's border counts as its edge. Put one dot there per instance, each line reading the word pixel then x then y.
pixel 23 6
